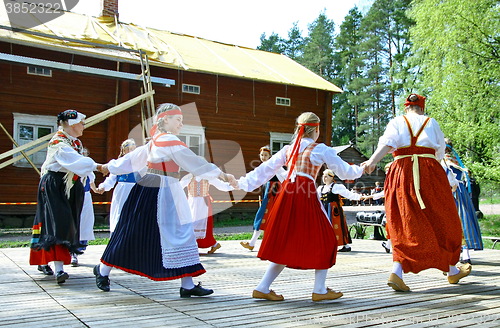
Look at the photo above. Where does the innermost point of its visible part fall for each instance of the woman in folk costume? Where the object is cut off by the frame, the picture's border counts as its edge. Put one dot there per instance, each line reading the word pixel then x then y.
pixel 329 193
pixel 270 191
pixel 200 204
pixel 463 200
pixel 298 233
pixel 122 183
pixel 154 237
pixel 56 228
pixel 422 219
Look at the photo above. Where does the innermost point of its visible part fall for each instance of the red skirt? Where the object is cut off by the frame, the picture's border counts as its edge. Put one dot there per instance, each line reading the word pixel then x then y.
pixel 298 233
pixel 339 224
pixel 209 239
pixel 422 238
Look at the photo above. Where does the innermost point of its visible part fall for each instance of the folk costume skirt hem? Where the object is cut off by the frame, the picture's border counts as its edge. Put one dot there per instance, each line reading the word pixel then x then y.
pixel 136 244
pixel 422 238
pixel 298 233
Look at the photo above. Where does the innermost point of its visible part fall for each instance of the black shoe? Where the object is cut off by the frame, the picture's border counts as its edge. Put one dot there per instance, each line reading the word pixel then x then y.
pixel 46 270
pixel 195 291
pixel 102 282
pixel 466 261
pixel 345 249
pixel 387 249
pixel 61 277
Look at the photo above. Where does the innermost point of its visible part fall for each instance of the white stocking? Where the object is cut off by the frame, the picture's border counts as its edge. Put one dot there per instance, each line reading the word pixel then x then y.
pixel 272 272
pixel 104 269
pixel 187 282
pixel 255 237
pixel 453 270
pixel 397 268
pixel 320 281
pixel 58 266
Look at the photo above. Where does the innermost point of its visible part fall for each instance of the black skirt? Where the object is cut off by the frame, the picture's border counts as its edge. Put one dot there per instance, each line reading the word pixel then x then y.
pixel 57 219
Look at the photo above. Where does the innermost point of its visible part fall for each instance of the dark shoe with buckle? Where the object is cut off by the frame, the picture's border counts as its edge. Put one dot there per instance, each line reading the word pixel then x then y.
pixel 195 291
pixel 102 282
pixel 61 277
pixel 46 270
pixel 387 249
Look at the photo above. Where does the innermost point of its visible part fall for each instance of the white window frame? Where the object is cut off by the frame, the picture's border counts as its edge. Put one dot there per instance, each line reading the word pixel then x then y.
pixel 282 101
pixel 47 121
pixel 39 71
pixel 278 137
pixel 191 88
pixel 188 131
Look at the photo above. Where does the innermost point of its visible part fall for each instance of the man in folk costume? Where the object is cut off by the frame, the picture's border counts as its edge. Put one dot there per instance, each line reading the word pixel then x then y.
pixel 56 228
pixel 200 203
pixel 422 219
pixel 298 233
pixel 154 236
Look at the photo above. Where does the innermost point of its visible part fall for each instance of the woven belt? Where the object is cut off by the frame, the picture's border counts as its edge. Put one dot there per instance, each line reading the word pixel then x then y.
pixel 416 173
pixel 176 175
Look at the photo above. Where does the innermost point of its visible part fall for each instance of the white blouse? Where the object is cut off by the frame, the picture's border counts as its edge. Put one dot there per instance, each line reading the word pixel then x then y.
pixel 319 155
pixel 397 134
pixel 66 159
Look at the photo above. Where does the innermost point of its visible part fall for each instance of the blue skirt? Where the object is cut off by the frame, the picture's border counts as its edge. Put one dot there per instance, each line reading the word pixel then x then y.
pixel 135 245
pixel 468 217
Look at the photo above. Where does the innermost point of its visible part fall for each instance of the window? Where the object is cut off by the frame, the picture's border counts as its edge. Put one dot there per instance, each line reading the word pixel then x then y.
pixel 194 138
pixel 279 140
pixel 37 70
pixel 189 88
pixel 31 127
pixel 283 101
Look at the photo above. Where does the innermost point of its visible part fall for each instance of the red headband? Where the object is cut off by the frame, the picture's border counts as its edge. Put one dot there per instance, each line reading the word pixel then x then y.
pixel 420 101
pixel 171 112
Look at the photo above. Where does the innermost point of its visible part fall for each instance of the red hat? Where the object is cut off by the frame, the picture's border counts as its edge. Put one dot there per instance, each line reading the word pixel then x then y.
pixel 419 102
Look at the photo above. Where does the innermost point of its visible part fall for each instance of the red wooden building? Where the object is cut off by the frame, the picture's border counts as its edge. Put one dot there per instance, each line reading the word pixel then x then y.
pixel 244 98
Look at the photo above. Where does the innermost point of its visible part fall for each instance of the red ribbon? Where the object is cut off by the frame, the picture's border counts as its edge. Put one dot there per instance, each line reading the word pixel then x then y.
pixel 295 148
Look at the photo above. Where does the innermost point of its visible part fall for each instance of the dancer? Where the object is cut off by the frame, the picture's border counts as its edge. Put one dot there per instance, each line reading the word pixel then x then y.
pixel 269 193
pixel 200 204
pixel 154 237
pixel 422 219
pixel 329 193
pixel 299 234
pixel 56 228
pixel 123 182
pixel 466 211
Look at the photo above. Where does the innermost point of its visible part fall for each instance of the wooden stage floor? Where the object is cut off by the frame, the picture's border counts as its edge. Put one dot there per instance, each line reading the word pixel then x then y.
pixel 30 299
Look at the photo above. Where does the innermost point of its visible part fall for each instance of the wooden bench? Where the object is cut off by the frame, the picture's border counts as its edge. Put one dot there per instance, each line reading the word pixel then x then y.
pixel 495 240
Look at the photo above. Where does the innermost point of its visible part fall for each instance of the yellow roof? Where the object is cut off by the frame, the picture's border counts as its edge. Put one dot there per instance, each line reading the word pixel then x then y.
pixel 164 49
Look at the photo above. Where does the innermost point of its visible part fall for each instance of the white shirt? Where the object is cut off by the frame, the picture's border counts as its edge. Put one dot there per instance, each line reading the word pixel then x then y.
pixel 319 155
pixel 397 134
pixel 339 189
pixel 66 159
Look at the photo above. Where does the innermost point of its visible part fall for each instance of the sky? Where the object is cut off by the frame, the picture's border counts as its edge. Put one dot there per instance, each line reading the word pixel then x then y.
pixel 227 21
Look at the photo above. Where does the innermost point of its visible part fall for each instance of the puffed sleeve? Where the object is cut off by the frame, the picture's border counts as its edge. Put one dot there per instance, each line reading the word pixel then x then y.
pixel 134 161
pixel 72 161
pixel 324 154
pixel 264 172
pixel 108 183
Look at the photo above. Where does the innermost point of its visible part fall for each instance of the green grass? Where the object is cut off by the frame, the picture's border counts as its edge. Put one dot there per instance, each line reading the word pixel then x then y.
pixel 490 226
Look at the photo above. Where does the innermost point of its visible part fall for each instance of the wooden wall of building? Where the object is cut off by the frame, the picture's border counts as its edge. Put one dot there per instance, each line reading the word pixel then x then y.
pixel 236 110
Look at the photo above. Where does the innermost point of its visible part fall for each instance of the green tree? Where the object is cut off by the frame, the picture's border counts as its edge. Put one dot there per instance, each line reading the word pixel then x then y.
pixel 295 43
pixel 272 44
pixel 318 47
pixel 461 76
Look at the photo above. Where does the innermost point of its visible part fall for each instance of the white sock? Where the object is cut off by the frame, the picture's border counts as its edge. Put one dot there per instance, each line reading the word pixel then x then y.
pixel 104 269
pixel 58 266
pixel 453 270
pixel 255 237
pixel 320 281
pixel 465 254
pixel 272 272
pixel 187 282
pixel 388 243
pixel 397 269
